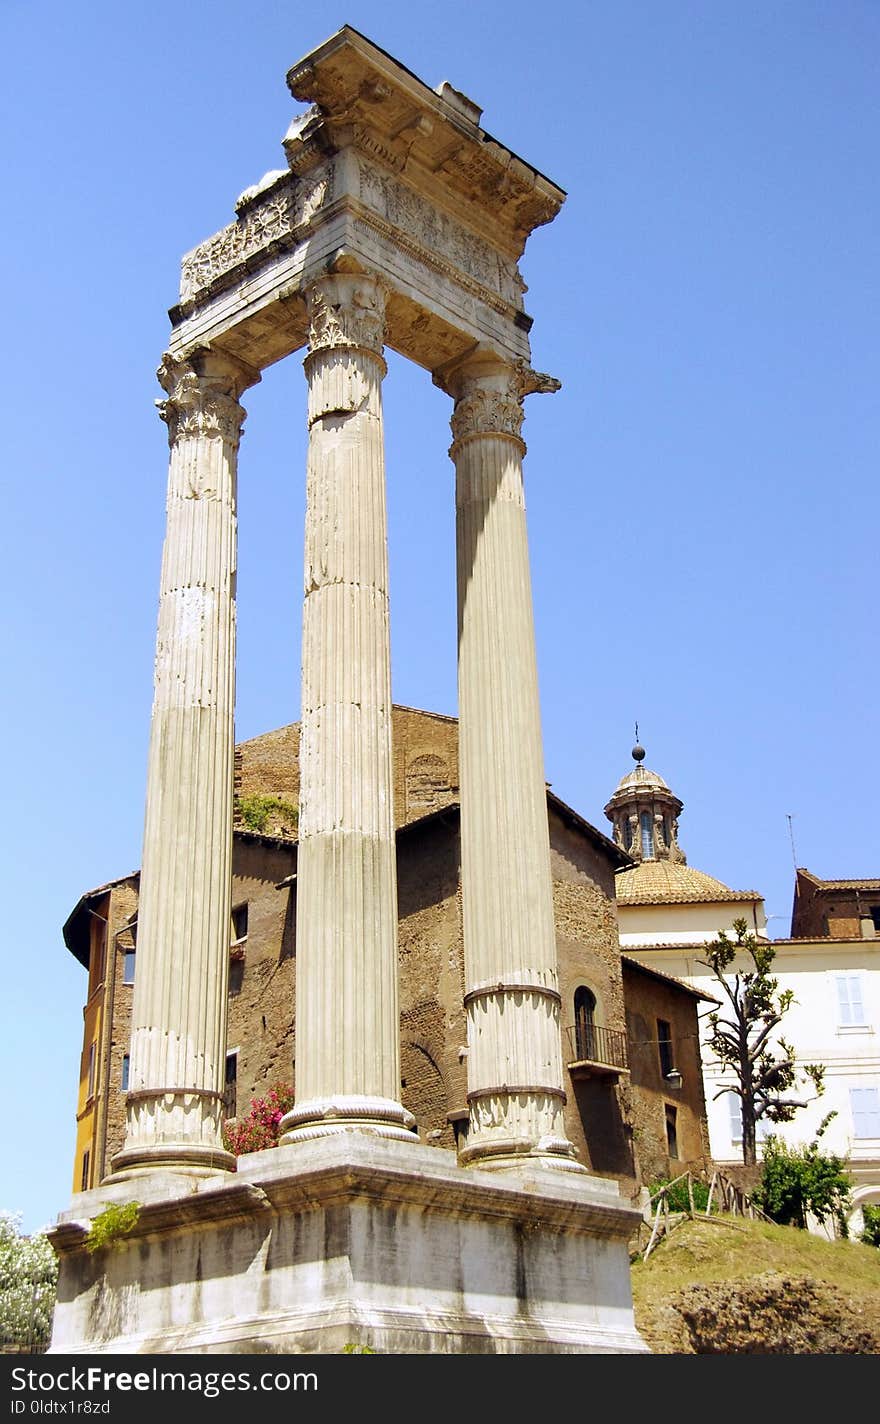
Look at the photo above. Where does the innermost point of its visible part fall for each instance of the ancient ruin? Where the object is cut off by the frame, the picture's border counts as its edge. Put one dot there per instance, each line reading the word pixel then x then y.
pixel 398 221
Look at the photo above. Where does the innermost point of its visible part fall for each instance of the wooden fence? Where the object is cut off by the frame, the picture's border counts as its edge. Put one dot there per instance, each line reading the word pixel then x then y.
pixel 724 1195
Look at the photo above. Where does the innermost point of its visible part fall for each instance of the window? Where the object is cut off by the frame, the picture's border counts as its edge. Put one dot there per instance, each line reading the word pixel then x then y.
pixel 84 1175
pixel 875 916
pixel 91 1083
pixel 627 834
pixel 584 1010
pixel 647 835
pixel 460 1121
pixel 664 1043
pixel 763 1128
pixel 865 1104
pixel 239 923
pixel 230 1103
pixel 672 1130
pixel 849 999
pixel 124 1079
pixel 128 967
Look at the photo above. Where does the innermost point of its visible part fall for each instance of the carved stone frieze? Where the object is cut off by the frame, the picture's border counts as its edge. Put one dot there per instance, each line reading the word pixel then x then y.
pixel 199 404
pixel 437 232
pixel 279 213
pixel 346 309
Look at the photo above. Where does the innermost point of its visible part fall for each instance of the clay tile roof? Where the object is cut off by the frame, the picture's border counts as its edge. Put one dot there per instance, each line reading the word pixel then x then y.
pixel 823 885
pixel 663 882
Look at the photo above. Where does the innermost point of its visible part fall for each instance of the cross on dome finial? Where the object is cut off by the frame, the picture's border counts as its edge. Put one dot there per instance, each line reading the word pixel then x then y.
pixel 638 751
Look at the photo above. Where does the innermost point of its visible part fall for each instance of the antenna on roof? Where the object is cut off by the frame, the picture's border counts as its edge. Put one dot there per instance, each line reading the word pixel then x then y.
pixel 791 834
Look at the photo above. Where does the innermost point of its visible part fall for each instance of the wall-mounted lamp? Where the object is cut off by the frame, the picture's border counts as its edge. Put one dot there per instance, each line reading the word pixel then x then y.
pixel 673 1078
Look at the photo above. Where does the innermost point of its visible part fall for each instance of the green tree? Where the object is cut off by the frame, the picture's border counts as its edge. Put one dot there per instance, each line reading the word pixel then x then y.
pixel 797 1181
pixel 769 1083
pixel 28 1277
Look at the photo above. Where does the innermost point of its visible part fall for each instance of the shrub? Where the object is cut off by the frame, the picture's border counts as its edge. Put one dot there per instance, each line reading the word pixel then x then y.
pixel 800 1181
pixel 870 1233
pixel 28 1276
pixel 677 1197
pixel 259 812
pixel 111 1224
pixel 260 1128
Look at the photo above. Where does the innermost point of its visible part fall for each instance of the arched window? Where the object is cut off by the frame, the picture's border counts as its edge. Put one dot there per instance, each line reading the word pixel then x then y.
pixel 647 835
pixel 584 1010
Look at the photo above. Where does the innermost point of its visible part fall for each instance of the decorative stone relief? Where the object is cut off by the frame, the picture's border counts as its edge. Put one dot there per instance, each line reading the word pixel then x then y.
pixel 437 232
pixel 269 217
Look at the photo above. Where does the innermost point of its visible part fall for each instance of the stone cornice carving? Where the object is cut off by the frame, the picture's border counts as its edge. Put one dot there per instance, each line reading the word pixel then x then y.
pixel 364 95
pixel 346 309
pixel 274 215
pixel 201 404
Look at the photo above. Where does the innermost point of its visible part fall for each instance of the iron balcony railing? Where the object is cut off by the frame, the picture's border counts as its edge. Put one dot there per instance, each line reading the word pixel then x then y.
pixel 589 1043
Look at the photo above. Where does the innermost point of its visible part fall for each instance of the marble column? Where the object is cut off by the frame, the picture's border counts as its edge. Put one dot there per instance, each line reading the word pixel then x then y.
pixel 178 1030
pixel 347 1020
pixel 515 1091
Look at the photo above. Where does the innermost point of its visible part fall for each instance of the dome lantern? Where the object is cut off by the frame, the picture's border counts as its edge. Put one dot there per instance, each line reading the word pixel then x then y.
pixel 644 813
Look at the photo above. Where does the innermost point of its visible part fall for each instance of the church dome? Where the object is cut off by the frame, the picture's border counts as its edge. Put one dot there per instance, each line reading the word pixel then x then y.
pixel 669 882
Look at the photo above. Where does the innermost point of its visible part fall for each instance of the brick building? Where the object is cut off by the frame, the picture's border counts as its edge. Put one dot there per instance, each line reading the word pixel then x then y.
pixel 635 1108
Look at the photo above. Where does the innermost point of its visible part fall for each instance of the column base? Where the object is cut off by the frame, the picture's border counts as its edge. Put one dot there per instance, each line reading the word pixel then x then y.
pixel 174 1129
pixel 193 1160
pixel 513 1153
pixel 322 1117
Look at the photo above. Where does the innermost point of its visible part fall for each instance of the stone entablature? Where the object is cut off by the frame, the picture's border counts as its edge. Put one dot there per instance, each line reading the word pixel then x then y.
pixel 394 177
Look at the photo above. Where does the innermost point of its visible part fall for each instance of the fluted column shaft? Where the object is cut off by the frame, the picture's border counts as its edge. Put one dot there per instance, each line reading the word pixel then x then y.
pixel 347 1022
pixel 178 1032
pixel 515 1091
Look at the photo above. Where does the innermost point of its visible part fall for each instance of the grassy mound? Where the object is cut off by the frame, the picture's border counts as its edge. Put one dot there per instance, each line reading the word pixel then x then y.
pixel 726 1285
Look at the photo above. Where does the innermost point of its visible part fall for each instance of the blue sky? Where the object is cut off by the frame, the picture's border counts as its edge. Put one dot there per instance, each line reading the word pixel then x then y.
pixel 702 492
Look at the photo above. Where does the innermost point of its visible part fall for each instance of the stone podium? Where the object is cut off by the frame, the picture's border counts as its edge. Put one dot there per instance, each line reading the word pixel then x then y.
pixel 397 222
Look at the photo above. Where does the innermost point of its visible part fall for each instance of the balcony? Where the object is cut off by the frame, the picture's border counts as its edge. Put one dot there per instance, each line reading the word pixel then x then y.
pixel 596 1052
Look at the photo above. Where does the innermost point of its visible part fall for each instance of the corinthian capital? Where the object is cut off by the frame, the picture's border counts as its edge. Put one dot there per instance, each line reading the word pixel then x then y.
pixel 346 309
pixel 203 397
pixel 488 392
pixel 480 410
